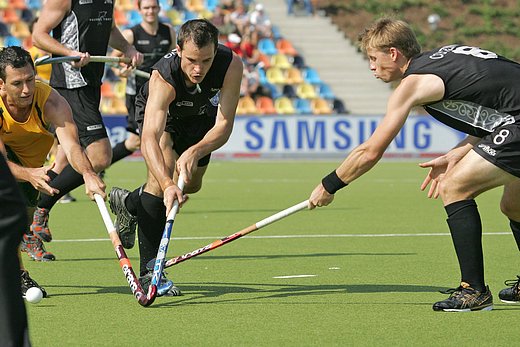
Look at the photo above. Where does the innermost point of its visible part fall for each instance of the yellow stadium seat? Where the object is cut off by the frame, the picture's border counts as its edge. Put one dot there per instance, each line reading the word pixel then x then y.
pixel 246 105
pixel 320 106
pixel 294 76
pixel 306 91
pixel 275 75
pixel 284 105
pixel 280 61
pixel 175 17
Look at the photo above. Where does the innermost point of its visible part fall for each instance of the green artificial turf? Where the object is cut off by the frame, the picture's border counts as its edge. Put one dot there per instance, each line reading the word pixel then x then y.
pixel 370 266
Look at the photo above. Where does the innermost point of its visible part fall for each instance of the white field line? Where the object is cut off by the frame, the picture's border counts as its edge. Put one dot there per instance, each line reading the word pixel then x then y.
pixel 293 236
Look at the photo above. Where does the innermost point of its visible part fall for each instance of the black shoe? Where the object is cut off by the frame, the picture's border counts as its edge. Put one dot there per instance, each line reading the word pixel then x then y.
pixel 166 288
pixel 511 295
pixel 465 299
pixel 126 223
pixel 28 282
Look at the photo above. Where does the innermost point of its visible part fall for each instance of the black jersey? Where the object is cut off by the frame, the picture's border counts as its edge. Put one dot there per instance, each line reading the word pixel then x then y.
pixel 86 28
pixel 190 103
pixel 154 47
pixel 481 87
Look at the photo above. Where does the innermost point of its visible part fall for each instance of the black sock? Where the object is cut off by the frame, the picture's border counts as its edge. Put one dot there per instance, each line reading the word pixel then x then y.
pixel 133 200
pixel 466 233
pixel 119 152
pixel 65 182
pixel 151 218
pixel 515 228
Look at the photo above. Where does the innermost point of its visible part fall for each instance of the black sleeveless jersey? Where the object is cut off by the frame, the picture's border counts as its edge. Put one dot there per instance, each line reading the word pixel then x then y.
pixel 481 87
pixel 154 47
pixel 188 103
pixel 86 28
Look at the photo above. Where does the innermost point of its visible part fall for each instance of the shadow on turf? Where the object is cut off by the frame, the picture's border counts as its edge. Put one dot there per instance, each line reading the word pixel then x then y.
pixel 210 292
pixel 205 293
pixel 264 256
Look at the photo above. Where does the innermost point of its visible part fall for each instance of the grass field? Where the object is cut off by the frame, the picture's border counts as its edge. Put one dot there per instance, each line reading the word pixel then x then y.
pixel 376 259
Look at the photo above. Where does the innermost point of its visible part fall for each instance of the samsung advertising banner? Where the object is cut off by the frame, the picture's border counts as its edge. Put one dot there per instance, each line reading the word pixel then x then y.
pixel 320 137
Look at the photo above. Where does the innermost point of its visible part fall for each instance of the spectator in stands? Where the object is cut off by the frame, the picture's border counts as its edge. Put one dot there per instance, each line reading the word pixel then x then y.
pixel 307 5
pixel 250 82
pixel 233 42
pixel 240 18
pixel 223 22
pixel 250 52
pixel 261 22
pixel 179 5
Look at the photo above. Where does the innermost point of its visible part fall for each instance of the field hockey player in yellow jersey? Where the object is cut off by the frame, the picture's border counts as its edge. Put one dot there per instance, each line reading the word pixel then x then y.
pixel 28 110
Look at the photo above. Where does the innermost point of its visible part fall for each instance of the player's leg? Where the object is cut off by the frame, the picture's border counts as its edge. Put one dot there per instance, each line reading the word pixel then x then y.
pixel 151 217
pixel 13 316
pixel 470 177
pixel 31 243
pixel 510 206
pixel 93 137
pixel 124 203
pixel 133 141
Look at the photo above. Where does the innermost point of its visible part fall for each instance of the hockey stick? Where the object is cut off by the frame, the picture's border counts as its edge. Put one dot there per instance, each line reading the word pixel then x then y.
pixel 158 266
pixel 217 243
pixel 124 262
pixel 93 59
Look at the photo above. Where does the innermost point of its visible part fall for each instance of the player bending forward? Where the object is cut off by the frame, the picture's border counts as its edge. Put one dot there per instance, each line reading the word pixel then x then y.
pixel 471 90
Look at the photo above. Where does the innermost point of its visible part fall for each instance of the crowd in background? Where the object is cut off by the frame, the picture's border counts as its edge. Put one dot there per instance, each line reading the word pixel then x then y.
pixel 276 78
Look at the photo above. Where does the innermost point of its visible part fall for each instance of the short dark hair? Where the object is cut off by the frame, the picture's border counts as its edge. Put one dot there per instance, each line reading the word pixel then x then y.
pixel 139 3
pixel 14 56
pixel 201 31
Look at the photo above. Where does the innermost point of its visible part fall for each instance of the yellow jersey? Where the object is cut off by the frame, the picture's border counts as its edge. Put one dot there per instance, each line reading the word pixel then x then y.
pixel 31 140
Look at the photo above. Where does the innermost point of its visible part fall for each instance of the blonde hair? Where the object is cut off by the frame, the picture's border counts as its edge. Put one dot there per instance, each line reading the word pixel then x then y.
pixel 386 33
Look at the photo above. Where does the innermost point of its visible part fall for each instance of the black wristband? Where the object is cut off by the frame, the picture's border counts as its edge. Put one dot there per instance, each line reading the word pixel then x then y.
pixel 332 183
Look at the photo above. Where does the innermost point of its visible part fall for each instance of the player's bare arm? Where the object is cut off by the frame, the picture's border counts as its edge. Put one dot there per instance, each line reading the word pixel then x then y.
pixel 52 13
pixel 123 70
pixel 58 112
pixel 119 42
pixel 414 90
pixel 37 176
pixel 221 131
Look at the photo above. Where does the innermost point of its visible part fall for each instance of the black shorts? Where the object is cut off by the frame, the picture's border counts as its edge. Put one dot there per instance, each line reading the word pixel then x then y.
pixel 84 102
pixel 132 125
pixel 185 132
pixel 502 147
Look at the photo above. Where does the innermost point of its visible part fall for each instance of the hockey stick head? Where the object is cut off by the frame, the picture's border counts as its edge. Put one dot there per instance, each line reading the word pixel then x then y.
pixel 41 60
pixel 150 297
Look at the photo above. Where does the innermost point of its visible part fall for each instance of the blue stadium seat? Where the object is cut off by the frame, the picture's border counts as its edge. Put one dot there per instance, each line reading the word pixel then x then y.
pixel 311 76
pixel 303 106
pixel 273 90
pixel 267 46
pixel 133 17
pixel 34 4
pixel 324 91
pixel 262 75
pixel 212 4
pixel 12 41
